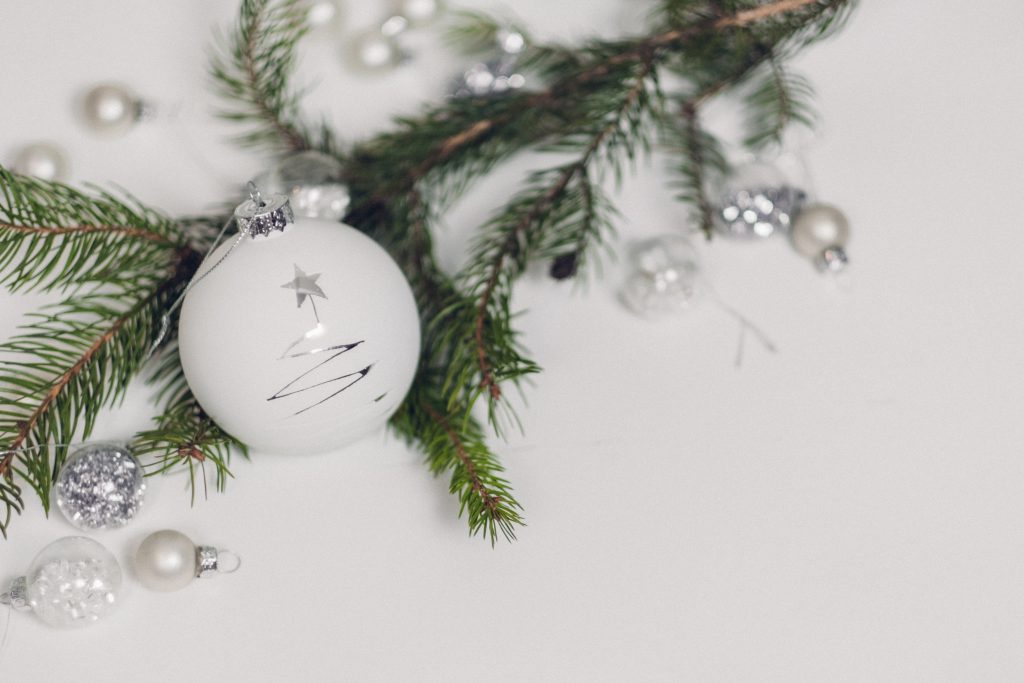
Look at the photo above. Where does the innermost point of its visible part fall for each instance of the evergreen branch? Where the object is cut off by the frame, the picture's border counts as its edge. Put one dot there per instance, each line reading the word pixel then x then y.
pixel 252 74
pixel 699 155
pixel 53 236
pixel 455 443
pixel 100 340
pixel 531 212
pixel 781 99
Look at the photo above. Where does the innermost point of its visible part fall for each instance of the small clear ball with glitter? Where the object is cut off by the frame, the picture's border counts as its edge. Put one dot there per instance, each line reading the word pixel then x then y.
pixel 101 486
pixel 757 202
pixel 312 181
pixel 666 277
pixel 73 582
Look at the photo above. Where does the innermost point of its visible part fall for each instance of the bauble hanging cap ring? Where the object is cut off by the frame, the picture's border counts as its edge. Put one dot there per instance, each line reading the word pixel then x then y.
pixel 211 561
pixel 259 216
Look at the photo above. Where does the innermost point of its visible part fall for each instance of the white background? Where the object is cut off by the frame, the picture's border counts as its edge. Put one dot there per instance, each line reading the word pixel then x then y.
pixel 846 509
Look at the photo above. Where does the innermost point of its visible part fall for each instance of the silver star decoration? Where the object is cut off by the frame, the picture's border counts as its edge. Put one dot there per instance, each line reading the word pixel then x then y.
pixel 304 285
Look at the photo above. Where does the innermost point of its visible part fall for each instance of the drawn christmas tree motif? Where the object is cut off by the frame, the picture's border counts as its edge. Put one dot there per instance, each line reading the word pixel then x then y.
pixel 305 287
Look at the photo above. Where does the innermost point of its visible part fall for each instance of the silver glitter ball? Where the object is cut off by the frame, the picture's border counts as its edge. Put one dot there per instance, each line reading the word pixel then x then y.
pixel 495 77
pixel 100 486
pixel 756 201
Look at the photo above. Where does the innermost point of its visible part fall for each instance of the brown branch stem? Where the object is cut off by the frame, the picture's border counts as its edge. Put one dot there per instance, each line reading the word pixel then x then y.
pixel 487 379
pixel 125 230
pixel 490 500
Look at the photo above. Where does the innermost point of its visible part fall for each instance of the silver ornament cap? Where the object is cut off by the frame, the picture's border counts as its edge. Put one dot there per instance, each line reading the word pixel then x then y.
pixel 259 217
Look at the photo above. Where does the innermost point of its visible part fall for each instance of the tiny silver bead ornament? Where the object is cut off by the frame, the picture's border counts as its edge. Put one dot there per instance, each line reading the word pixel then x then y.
pixel 100 486
pixel 313 183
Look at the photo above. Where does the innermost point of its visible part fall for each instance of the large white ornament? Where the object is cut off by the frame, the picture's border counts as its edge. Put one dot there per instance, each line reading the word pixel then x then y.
pixel 303 338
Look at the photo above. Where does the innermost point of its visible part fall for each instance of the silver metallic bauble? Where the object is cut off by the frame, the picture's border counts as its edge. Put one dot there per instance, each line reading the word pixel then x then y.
pixel 312 181
pixel 42 160
pixel 374 51
pixel 665 276
pixel 489 78
pixel 100 486
pixel 820 232
pixel 756 201
pixel 111 109
pixel 168 560
pixel 420 12
pixel 73 582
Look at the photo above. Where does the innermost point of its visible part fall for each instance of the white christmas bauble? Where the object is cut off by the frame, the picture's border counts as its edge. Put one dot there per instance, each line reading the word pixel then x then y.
pixel 303 339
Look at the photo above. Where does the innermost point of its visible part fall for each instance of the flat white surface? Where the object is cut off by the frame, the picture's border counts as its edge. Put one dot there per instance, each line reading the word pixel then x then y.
pixel 845 510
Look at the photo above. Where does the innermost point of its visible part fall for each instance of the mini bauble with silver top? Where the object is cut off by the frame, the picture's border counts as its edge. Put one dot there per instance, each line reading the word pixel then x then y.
pixel 100 486
pixel 820 232
pixel 112 109
pixel 299 336
pixel 312 181
pixel 168 560
pixel 73 582
pixel 42 160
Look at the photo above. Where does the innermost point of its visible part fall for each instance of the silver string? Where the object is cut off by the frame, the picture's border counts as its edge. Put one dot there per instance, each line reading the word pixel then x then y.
pixel 165 319
pixel 745 326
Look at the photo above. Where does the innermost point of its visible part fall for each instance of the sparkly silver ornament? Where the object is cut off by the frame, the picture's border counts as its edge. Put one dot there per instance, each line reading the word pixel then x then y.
pixel 112 109
pixel 756 201
pixel 42 160
pixel 100 486
pixel 312 182
pixel 73 582
pixel 665 276
pixel 495 76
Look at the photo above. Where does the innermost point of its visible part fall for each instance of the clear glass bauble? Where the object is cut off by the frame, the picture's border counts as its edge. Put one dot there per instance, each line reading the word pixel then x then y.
pixel 312 181
pixel 755 201
pixel 665 276
pixel 300 341
pixel 100 486
pixel 73 582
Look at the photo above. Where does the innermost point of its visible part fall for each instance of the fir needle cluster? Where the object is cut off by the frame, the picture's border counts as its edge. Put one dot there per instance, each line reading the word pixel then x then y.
pixel 603 104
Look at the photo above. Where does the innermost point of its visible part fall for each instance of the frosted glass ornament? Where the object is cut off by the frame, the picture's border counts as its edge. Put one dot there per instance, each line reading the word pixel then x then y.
pixel 72 582
pixel 303 338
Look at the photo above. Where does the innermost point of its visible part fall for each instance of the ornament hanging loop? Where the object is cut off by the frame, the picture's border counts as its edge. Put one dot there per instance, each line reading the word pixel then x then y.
pixel 17 595
pixel 254 194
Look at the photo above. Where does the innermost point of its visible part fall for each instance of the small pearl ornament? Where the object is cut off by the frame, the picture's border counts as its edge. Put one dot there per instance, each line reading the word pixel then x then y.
pixel 374 51
pixel 168 561
pixel 43 160
pixel 111 109
pixel 420 12
pixel 820 232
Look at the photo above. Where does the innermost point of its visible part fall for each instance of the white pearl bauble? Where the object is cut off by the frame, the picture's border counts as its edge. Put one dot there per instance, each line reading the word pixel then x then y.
pixel 300 341
pixel 420 12
pixel 41 160
pixel 322 13
pixel 73 582
pixel 375 51
pixel 166 561
pixel 818 227
pixel 111 109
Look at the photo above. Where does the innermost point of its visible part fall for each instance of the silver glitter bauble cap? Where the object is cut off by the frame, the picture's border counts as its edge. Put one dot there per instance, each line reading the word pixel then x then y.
pixel 259 216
